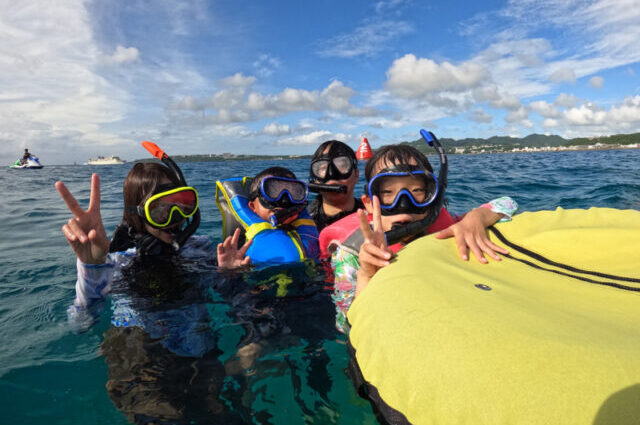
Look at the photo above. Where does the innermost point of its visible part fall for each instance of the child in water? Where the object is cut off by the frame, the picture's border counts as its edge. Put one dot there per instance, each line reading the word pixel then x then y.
pixel 278 201
pixel 400 190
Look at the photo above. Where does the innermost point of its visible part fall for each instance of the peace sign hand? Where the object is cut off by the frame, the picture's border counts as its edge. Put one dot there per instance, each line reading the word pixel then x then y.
pixel 85 231
pixel 374 253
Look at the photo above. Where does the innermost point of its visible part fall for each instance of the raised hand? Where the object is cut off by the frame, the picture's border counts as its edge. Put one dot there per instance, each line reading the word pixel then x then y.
pixel 471 233
pixel 85 231
pixel 229 256
pixel 374 253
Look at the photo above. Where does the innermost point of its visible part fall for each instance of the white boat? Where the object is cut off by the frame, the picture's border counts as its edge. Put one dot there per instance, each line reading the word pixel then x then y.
pixel 105 160
pixel 31 163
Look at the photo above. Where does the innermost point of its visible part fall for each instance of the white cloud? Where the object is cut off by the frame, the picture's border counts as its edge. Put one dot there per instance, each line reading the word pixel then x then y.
pixel 275 129
pixel 314 138
pixel 563 75
pixel 519 115
pixel 550 123
pixel 586 114
pixel 50 89
pixel 266 65
pixel 545 109
pixel 366 40
pixel 411 77
pixel 237 104
pixel 124 55
pixel 596 82
pixel 238 80
pixel 566 100
pixel 480 116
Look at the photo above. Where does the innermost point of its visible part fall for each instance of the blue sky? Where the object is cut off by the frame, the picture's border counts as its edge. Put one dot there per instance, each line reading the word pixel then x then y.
pixel 87 78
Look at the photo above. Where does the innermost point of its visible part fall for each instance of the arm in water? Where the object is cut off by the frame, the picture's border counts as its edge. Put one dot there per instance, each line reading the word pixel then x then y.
pixel 87 238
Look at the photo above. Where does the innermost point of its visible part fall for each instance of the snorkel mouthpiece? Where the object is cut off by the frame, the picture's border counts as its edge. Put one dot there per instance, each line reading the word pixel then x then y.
pixel 335 188
pixel 285 216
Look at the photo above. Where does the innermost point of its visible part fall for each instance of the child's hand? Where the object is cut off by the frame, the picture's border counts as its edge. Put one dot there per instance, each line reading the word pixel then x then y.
pixel 229 256
pixel 374 253
pixel 85 231
pixel 471 232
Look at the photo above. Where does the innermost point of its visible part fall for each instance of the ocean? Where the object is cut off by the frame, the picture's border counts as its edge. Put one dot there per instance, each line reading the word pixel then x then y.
pixel 50 373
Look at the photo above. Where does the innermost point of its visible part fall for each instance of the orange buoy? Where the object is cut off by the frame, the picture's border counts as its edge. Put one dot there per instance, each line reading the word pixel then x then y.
pixel 364 150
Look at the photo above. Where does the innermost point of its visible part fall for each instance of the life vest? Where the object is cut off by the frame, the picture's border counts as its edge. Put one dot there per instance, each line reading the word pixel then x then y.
pixel 296 242
pixel 346 233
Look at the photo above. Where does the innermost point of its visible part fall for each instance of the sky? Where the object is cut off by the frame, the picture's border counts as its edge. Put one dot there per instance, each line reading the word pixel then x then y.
pixel 80 79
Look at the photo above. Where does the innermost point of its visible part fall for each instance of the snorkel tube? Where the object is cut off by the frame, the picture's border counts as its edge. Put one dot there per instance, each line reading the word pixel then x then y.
pixel 319 187
pixel 286 216
pixel 194 221
pixel 396 235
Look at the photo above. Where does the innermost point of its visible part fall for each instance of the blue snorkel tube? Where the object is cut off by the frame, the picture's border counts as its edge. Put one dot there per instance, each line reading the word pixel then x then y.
pixel 417 227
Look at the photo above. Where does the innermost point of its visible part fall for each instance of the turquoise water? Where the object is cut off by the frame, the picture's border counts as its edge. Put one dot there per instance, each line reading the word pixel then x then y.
pixel 49 374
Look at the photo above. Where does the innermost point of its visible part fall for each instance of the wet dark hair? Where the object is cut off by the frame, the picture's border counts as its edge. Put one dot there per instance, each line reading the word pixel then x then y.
pixel 399 156
pixel 334 145
pixel 271 171
pixel 141 182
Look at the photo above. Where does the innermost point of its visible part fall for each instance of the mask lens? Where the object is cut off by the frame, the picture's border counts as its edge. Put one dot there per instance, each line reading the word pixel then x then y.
pixel 417 186
pixel 319 168
pixel 160 209
pixel 274 188
pixel 343 164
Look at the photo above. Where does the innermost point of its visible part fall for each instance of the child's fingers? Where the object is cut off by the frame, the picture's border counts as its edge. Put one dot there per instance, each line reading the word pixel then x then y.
pixel 246 261
pixel 495 247
pixel 444 234
pixel 364 225
pixel 235 237
pixel 245 247
pixel 77 230
pixel 477 252
pixel 68 199
pixel 94 198
pixel 220 249
pixel 377 216
pixel 487 250
pixel 71 237
pixel 374 255
pixel 463 249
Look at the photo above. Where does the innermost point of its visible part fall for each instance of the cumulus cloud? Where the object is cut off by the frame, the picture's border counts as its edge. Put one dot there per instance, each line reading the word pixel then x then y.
pixel 518 115
pixel 480 116
pixel 314 138
pixel 563 75
pixel 545 109
pixel 596 82
pixel 566 100
pixel 412 77
pixel 238 80
pixel 550 123
pixel 124 55
pixel 237 104
pixel 275 129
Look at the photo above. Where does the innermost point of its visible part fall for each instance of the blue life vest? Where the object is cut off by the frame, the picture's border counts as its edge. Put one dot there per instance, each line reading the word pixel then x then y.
pixel 297 242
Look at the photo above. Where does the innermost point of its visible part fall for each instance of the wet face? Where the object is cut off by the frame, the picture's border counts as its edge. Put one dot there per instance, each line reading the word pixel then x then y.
pixel 262 211
pixel 389 188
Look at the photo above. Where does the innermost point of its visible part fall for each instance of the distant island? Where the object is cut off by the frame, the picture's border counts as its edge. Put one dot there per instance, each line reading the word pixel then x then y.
pixel 495 144
pixel 532 143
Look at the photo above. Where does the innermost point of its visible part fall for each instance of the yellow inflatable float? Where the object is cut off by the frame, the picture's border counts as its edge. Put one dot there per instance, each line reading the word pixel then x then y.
pixel 549 335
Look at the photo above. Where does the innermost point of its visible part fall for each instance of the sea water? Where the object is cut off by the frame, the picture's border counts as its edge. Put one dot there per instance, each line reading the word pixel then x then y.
pixel 51 374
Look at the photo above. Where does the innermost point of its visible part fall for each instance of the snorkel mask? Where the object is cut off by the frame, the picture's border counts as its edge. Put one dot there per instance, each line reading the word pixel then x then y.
pixel 405 200
pixel 337 164
pixel 286 196
pixel 168 206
